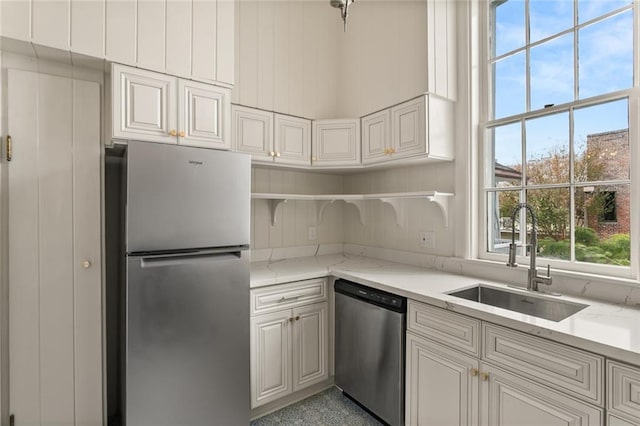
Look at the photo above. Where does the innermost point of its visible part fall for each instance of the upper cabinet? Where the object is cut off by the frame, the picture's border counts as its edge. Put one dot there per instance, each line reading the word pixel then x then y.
pixel 422 127
pixel 271 138
pixel 336 143
pixel 188 38
pixel 160 108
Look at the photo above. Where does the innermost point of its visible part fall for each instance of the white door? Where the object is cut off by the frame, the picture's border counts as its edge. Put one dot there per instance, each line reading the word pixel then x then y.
pixel 292 142
pixel 55 325
pixel 336 142
pixel 270 357
pixel 204 115
pixel 409 128
pixel 310 354
pixel 144 105
pixel 179 37
pixel 252 132
pixel 376 137
pixel 441 385
pixel 510 400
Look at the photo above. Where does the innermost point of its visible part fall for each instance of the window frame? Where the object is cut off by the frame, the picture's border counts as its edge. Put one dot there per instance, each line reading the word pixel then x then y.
pixel 485 163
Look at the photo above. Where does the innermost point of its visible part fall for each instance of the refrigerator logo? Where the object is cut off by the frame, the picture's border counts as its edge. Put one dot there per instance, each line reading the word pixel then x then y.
pixel 196 163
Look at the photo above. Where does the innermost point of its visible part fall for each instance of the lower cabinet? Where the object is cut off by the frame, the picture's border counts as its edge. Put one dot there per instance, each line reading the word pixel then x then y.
pixel 445 386
pixel 288 351
pixel 623 393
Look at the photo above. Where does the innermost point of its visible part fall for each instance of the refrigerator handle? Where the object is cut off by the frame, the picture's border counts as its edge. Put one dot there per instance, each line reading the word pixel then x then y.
pixel 183 259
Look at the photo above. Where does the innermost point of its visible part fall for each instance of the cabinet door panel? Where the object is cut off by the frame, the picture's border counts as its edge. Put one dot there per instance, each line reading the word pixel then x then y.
pixel 292 142
pixel 270 362
pixel 225 52
pixel 205 115
pixel 204 39
pixel 144 105
pixel 252 132
pixel 310 336
pixel 336 142
pixel 87 27
pixel 178 52
pixel 623 389
pixel 376 137
pixel 50 20
pixel 440 387
pixel 409 132
pixel 514 401
pixel 15 19
pixel 151 34
pixel 120 31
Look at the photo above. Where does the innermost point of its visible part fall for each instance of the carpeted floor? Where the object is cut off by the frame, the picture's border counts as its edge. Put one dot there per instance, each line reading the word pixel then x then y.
pixel 328 408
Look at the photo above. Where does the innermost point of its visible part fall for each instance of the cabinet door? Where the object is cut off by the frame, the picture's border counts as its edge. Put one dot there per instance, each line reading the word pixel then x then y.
pixel 178 48
pixel 623 389
pixel 510 400
pixel 50 23
pixel 310 337
pixel 442 385
pixel 151 34
pixel 251 132
pixel 225 52
pixel 376 137
pixel 613 420
pixel 87 27
pixel 270 357
pixel 120 31
pixel 409 128
pixel 292 143
pixel 336 143
pixel 204 115
pixel 144 105
pixel 203 39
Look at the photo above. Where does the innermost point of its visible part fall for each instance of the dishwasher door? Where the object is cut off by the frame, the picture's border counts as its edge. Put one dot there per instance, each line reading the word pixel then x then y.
pixel 369 356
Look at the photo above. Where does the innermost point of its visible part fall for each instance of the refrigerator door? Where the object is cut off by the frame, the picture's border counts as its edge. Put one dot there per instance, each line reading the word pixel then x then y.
pixel 183 198
pixel 187 345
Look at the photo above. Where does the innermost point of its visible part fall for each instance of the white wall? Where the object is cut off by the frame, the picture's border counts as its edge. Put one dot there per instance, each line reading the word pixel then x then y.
pixel 294 218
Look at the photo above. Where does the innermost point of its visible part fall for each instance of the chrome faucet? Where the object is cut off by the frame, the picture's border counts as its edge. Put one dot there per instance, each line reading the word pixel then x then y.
pixel 533 278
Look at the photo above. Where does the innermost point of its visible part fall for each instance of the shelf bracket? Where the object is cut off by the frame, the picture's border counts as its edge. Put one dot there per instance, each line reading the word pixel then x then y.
pixel 441 201
pixel 360 206
pixel 396 205
pixel 321 205
pixel 273 209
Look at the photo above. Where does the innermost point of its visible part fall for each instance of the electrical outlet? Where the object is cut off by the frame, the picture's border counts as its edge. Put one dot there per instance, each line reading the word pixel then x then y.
pixel 428 239
pixel 313 235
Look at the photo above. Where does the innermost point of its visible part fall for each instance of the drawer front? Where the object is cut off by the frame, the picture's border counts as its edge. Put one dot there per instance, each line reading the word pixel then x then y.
pixel 284 296
pixel 613 420
pixel 623 389
pixel 451 329
pixel 553 364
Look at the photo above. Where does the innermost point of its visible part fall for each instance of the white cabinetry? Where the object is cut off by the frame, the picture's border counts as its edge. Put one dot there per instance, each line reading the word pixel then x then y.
pixel 271 137
pixel 54 250
pixel 289 338
pixel 160 108
pixel 336 143
pixel 548 383
pixel 421 128
pixel 623 392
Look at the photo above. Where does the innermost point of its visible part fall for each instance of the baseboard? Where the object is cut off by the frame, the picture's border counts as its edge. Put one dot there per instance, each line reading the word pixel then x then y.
pixel 276 405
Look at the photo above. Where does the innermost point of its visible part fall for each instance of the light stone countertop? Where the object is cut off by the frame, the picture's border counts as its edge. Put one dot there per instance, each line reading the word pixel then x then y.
pixel 607 329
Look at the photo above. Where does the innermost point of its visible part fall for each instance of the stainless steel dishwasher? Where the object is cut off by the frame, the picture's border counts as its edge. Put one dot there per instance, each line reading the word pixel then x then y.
pixel 370 348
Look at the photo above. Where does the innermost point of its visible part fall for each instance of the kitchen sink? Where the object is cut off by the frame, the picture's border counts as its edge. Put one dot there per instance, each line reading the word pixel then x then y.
pixel 524 303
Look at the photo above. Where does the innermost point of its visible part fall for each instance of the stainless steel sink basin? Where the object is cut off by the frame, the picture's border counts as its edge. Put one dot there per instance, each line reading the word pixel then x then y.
pixel 554 310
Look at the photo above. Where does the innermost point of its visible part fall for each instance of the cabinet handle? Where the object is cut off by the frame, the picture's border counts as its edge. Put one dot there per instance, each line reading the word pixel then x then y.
pixel 313 158
pixel 297 317
pixel 86 264
pixel 172 132
pixel 277 154
pixel 181 133
pixel 287 299
pixel 386 151
pixel 272 154
pixel 484 376
pixel 392 150
pixel 474 372
pixel 9 148
pixel 290 319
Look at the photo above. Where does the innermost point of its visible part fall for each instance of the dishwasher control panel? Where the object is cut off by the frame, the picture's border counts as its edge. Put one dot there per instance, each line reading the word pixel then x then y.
pixel 378 297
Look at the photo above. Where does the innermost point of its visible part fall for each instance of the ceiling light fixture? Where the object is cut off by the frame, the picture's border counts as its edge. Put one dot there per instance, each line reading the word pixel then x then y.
pixel 343 5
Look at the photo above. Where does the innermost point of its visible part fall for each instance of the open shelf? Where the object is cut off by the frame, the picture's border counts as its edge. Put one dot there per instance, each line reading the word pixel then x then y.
pixel 394 199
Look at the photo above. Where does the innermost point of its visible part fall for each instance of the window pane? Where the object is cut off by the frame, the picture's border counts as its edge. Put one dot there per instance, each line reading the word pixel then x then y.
pixel 601 142
pixel 506 143
pixel 552 72
pixel 548 149
pixel 509 86
pixel 590 9
pixel 508 24
pixel 552 208
pixel 500 205
pixel 602 224
pixel 549 17
pixel 605 52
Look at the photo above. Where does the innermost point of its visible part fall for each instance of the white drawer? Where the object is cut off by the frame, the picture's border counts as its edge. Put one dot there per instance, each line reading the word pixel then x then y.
pixel 613 420
pixel 284 296
pixel 448 328
pixel 553 364
pixel 623 389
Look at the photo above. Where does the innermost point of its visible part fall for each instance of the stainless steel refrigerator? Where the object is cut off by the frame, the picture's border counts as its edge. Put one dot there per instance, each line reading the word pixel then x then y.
pixel 187 286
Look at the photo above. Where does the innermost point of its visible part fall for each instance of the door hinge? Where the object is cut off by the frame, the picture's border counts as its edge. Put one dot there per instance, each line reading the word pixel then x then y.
pixel 12 420
pixel 9 148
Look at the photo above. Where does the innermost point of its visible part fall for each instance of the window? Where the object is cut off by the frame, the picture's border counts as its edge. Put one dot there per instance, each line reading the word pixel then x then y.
pixel 561 89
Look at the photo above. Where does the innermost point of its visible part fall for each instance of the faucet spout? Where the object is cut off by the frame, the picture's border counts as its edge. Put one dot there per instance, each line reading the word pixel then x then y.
pixel 533 278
